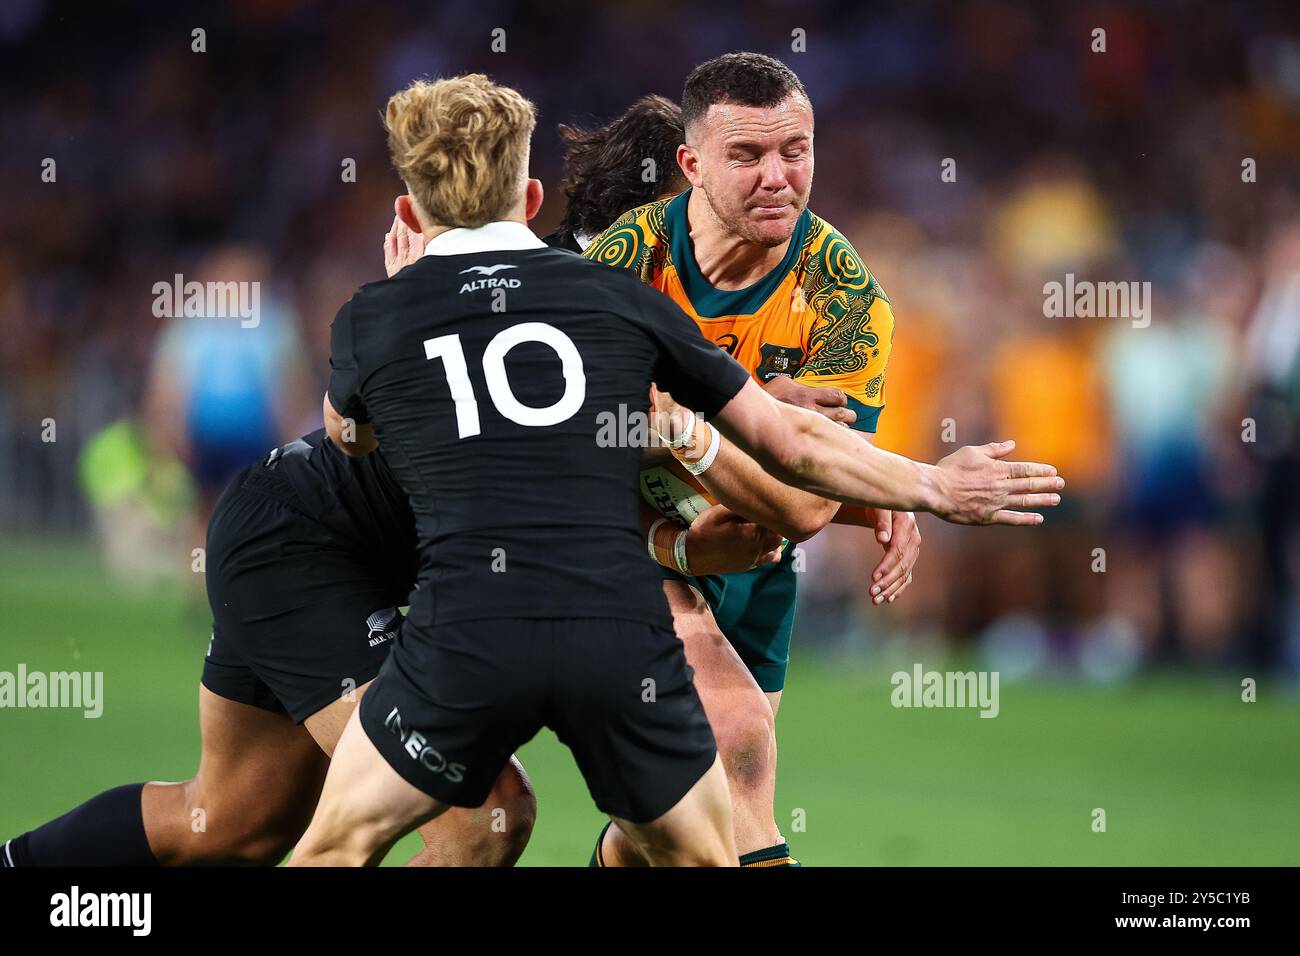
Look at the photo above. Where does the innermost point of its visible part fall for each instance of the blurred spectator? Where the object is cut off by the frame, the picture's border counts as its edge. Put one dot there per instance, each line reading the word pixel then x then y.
pixel 226 383
pixel 1171 158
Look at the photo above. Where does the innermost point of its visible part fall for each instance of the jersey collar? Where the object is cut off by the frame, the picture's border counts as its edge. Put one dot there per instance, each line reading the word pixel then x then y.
pixel 497 236
pixel 711 303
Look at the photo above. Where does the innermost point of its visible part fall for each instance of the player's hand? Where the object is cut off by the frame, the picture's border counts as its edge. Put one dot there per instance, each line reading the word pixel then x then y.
pixel 976 486
pixel 825 400
pixel 401 247
pixel 897 531
pixel 668 418
pixel 722 542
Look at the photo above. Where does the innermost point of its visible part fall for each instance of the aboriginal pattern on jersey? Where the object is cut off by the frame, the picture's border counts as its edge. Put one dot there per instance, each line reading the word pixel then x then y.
pixel 821 316
pixel 841 292
pixel 637 241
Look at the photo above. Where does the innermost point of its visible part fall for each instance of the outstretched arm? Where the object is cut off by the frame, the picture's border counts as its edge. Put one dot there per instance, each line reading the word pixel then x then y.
pixel 737 480
pixel 974 485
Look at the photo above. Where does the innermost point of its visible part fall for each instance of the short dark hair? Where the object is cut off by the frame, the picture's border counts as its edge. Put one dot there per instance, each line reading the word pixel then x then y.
pixel 747 79
pixel 604 167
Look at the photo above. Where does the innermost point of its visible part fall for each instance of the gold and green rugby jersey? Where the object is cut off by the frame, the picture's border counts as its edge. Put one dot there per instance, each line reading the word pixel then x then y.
pixel 819 316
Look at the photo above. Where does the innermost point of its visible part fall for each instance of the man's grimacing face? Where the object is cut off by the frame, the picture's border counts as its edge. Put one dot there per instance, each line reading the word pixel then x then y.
pixel 755 166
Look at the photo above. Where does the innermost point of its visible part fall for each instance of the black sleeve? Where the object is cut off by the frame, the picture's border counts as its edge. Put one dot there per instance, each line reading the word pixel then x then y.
pixel 700 375
pixel 345 379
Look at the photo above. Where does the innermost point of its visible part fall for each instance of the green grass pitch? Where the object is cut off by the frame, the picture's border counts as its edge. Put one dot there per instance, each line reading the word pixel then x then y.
pixel 1187 774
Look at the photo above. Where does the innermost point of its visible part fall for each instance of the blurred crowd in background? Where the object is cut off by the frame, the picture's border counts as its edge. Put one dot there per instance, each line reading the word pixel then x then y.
pixel 1172 158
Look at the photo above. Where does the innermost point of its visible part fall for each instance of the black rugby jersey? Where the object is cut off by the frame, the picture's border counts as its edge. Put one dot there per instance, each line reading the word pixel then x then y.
pixel 358 500
pixel 504 387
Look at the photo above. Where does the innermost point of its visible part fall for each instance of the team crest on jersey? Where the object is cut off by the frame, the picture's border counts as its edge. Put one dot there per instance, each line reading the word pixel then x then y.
pixel 382 625
pixel 778 360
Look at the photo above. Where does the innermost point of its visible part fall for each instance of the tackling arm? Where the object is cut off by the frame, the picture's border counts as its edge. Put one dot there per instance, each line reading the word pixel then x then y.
pixel 741 484
pixel 971 486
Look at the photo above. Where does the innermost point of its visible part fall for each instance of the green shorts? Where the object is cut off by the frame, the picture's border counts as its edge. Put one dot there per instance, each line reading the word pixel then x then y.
pixel 755 610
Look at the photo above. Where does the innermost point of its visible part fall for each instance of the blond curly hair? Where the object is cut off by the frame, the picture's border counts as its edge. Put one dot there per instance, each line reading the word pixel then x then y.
pixel 461 146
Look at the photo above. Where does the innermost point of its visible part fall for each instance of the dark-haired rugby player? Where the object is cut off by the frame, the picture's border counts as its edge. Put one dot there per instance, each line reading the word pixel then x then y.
pixel 483 370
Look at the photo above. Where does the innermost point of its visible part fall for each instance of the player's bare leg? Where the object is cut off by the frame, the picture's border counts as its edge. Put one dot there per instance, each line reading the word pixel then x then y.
pixel 258 781
pixel 697 831
pixel 494 834
pixel 743 725
pixel 365 807
pixel 256 785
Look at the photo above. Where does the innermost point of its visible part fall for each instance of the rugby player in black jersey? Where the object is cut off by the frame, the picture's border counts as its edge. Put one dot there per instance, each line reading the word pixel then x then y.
pixel 309 556
pixel 484 370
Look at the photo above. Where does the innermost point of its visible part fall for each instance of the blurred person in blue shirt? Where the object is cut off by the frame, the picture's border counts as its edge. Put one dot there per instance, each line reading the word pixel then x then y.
pixel 227 376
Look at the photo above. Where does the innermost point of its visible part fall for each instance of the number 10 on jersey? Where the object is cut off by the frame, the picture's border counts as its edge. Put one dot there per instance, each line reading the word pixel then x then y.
pixel 449 349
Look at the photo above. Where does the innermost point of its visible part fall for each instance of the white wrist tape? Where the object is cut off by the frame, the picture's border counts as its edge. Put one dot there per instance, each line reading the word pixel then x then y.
pixel 679 554
pixel 687 433
pixel 650 539
pixel 715 445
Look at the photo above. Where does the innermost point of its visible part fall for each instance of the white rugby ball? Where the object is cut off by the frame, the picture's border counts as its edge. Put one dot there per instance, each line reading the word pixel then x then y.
pixel 672 495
